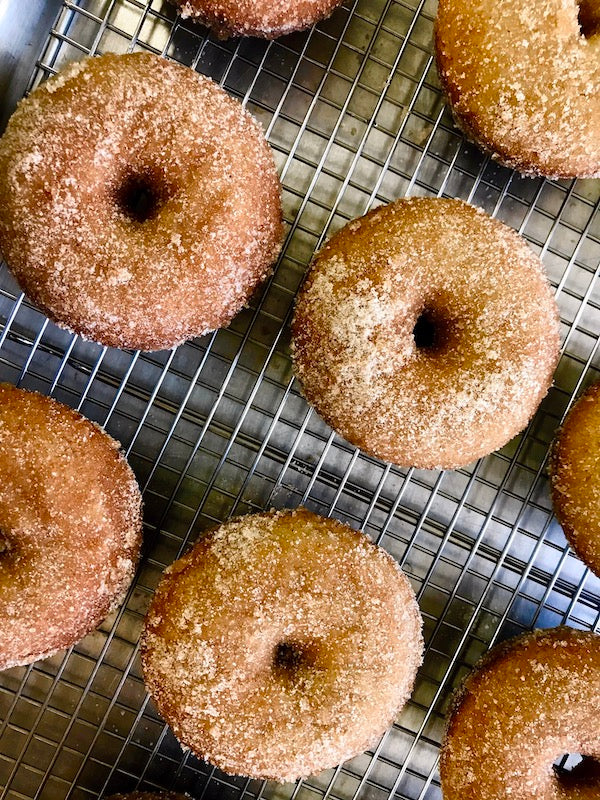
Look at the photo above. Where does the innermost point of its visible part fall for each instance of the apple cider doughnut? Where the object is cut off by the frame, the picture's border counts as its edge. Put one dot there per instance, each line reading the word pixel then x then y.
pixel 575 477
pixel 523 80
pixel 281 645
pixel 139 203
pixel 528 702
pixel 266 19
pixel 426 333
pixel 70 526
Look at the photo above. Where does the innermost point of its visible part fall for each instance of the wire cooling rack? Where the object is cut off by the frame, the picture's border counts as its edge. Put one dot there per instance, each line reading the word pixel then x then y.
pixel 217 427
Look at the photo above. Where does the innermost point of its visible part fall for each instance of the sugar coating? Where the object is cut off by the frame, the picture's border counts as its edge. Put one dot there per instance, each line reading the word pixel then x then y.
pixel 68 151
pixel 530 701
pixel 356 356
pixel 524 81
pixel 70 526
pixel 575 477
pixel 262 18
pixel 293 579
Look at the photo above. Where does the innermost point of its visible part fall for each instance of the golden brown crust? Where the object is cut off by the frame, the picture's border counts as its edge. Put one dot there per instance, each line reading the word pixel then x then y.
pixel 263 18
pixel 281 645
pixel 75 159
pixel 486 297
pixel 524 82
pixel 528 702
pixel 575 477
pixel 70 526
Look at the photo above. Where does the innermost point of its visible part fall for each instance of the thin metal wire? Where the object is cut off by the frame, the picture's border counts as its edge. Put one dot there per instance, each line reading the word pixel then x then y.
pixel 218 427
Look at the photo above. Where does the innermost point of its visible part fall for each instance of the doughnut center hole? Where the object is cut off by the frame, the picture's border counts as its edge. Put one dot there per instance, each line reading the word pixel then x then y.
pixel 5 546
pixel 577 770
pixel 567 762
pixel 589 18
pixel 141 195
pixel 290 657
pixel 430 331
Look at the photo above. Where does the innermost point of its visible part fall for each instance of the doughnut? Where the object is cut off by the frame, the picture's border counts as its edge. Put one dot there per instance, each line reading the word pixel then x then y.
pixel 529 701
pixel 523 80
pixel 267 19
pixel 70 526
pixel 281 645
pixel 139 204
pixel 426 333
pixel 575 477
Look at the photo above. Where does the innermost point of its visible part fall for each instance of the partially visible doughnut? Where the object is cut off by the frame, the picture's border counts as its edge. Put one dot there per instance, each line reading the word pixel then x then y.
pixel 267 19
pixel 426 333
pixel 70 526
pixel 529 701
pixel 523 80
pixel 281 645
pixel 575 477
pixel 139 203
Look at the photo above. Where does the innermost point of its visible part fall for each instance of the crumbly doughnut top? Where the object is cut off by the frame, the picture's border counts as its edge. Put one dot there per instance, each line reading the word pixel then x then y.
pixel 575 477
pixel 70 526
pixel 265 18
pixel 281 645
pixel 523 80
pixel 451 271
pixel 139 204
pixel 528 702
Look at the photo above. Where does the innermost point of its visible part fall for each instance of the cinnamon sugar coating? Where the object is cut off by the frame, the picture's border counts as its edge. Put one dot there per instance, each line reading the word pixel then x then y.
pixel 575 477
pixel 267 19
pixel 70 526
pixel 426 333
pixel 281 645
pixel 139 204
pixel 523 80
pixel 529 701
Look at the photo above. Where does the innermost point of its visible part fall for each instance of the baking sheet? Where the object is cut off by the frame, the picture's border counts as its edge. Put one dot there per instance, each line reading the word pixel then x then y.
pixel 355 116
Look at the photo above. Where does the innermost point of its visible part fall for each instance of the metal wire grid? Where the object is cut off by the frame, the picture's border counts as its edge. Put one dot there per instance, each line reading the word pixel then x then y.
pixel 355 116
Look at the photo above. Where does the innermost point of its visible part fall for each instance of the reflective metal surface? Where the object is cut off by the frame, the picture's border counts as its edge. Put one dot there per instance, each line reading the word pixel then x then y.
pixel 217 427
pixel 23 29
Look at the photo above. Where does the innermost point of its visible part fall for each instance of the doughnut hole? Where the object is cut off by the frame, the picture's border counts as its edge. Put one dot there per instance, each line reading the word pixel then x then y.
pixel 140 194
pixel 5 546
pixel 575 771
pixel 293 659
pixel 433 331
pixel 589 18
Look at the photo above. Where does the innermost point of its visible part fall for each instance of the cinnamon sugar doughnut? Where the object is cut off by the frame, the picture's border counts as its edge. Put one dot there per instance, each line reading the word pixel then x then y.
pixel 139 204
pixel 70 526
pixel 281 645
pixel 529 701
pixel 426 333
pixel 523 80
pixel 267 19
pixel 575 477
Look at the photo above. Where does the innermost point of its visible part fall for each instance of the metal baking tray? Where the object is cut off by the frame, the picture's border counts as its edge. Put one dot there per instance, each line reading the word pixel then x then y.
pixel 354 113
